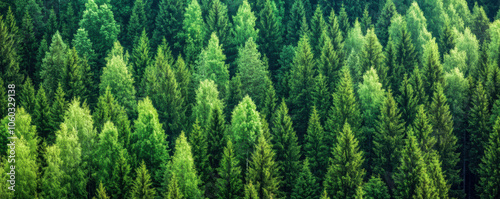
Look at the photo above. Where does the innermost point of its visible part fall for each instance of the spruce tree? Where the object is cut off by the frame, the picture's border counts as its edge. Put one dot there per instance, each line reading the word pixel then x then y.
pixel 28 46
pixel 411 178
pixel 433 70
pixel 373 56
pixel 306 186
pixel 406 54
pixel 489 165
pixel 53 65
pixel 193 32
pixel 479 129
pixel 243 28
pixel 137 23
pixel 216 133
pixel 285 145
pixel 182 166
pixel 321 96
pixel 270 34
pixel 207 99
pixel 183 75
pixel 422 130
pixel 229 183
pixel 198 141
pixel 366 21
pixel 345 173
pixel 173 189
pixel 387 140
pixel 446 39
pixel 42 115
pixel 375 188
pixel 26 97
pixel 74 77
pixel 101 192
pixel 57 111
pixel 344 23
pixel 315 148
pixel 218 21
pixel 297 13
pixel 446 145
pixel 318 26
pixel 140 60
pixel 417 82
pixel 329 62
pixel 384 21
pixel 250 192
pixel 168 21
pixel 264 171
pixel 143 185
pixel 120 181
pixel 345 108
pixel 407 101
pixel 480 23
pixel 394 69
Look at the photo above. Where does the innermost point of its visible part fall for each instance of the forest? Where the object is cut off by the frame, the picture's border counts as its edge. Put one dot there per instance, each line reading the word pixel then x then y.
pixel 250 99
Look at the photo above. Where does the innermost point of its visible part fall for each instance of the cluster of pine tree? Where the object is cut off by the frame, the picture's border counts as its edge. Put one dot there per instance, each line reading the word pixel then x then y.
pixel 254 99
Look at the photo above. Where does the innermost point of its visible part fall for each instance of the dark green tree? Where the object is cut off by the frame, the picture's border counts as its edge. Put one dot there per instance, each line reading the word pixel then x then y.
pixel 42 115
pixel 417 82
pixel 169 21
pixel 270 34
pixel 191 38
pixel 199 144
pixel 264 171
pixel 373 56
pixel 384 21
pixel 345 25
pixel 174 191
pixel 216 133
pixel 137 23
pixel 433 70
pixel 74 77
pixel 407 101
pixel 297 13
pixel 28 46
pixel 489 165
pixel 218 22
pixel 479 127
pixel 318 26
pixel 121 180
pixel 57 111
pixel 53 65
pixel 306 186
pixel 315 148
pixel 143 185
pixel 375 188
pixel 321 97
pixel 406 54
pixel 229 184
pixel 480 23
pixel 345 173
pixel 26 96
pixel 366 21
pixel 141 59
pixel 329 62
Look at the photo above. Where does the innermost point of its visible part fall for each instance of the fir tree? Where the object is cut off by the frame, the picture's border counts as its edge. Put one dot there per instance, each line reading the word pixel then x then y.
pixel 375 188
pixel 73 77
pixel 263 170
pixel 480 23
pixel 318 26
pixel 218 22
pixel 344 23
pixel 250 192
pixel 28 46
pixel 243 28
pixel 286 147
pixel 235 94
pixel 193 32
pixel 373 56
pixel 173 189
pixel 136 24
pixel 301 84
pixel 168 21
pixel 53 64
pixel 120 182
pixel 57 111
pixel 384 21
pixel 42 115
pixel 433 70
pixel 26 97
pixel 143 185
pixel 334 32
pixel 297 13
pixel 417 82
pixel 479 129
pixel 329 62
pixel 199 144
pixel 321 96
pixel 207 99
pixel 407 101
pixel 270 34
pixel 406 55
pixel 446 39
pixel 345 173
pixel 366 21
pixel 315 148
pixel 388 141
pixel 216 133
pixel 306 186
pixel 489 165
pixel 140 59
pixel 393 68
pixel 101 192
pixel 229 184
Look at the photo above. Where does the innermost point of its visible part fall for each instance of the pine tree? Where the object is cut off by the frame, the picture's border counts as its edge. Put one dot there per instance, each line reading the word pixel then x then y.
pixel 42 115
pixel 394 69
pixel 235 95
pixel 306 186
pixel 183 76
pixel 345 25
pixel 318 26
pixel 101 192
pixel 211 65
pixel 199 145
pixel 28 46
pixel 329 62
pixel 143 185
pixel 335 33
pixel 52 25
pixel 193 32
pixel 116 75
pixel 315 148
pixel 149 141
pixel 83 46
pixel 366 21
pixel 207 99
pixel 479 129
pixel 120 182
pixel 270 34
pixel 301 84
pixel 387 140
pixel 140 59
pixel 243 28
pixel 482 69
pixel 285 145
pixel 373 56
pixel 57 111
pixel 480 23
pixel 182 166
pixel 26 97
pixel 423 130
pixel 433 70
pixel 345 173
pixel 161 86
pixel 229 184
pixel 375 188
pixel 489 165
pixel 384 21
pixel 73 77
pixel 321 97
pixel 345 109
pixel 218 22
pixel 216 133
pixel 173 189
pixel 136 24
pixel 252 72
pixel 407 100
pixel 411 177
pixel 406 54
pixel 264 171
pixel 417 82
pixel 53 65
pixel 446 146
pixel 269 105
pixel 297 13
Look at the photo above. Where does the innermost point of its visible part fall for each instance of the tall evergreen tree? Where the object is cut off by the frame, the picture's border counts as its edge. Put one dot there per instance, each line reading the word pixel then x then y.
pixel 285 145
pixel 74 76
pixel 140 59
pixel 101 192
pixel 394 69
pixel 417 82
pixel 169 20
pixel 53 64
pixel 143 185
pixel 388 141
pixel 297 13
pixel 345 109
pixel 345 173
pixel 373 56
pixel 26 97
pixel 407 101
pixel 489 164
pixel 329 62
pixel 318 26
pixel 229 184
pixel 137 23
pixel 366 21
pixel 302 84
pixel 315 148
pixel 57 111
pixel 243 28
pixel 321 96
pixel 375 188
pixel 406 54
pixel 479 128
pixel 9 64
pixel 207 99
pixel 384 21
pixel 218 22
pixel 193 32
pixel 42 115
pixel 306 186
pixel 120 178
pixel 263 170
pixel 433 70
pixel 345 25
pixel 446 146
pixel 216 133
pixel 198 142
pixel 480 23
pixel 270 33
pixel 28 46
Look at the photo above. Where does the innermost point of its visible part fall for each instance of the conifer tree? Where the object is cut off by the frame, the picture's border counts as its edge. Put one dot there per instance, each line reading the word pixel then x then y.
pixel 252 72
pixel 269 104
pixel 137 23
pixel 229 184
pixel 28 46
pixel 345 173
pixel 286 147
pixel 53 175
pixel 417 82
pixel 143 185
pixel 26 97
pixel 161 86
pixel 480 23
pixel 198 141
pixel 302 84
pixel 168 21
pixel 315 148
pixel 329 62
pixel 182 166
pixel 417 26
pixel 263 170
pixel 422 130
pixel 53 64
pixel 479 129
pixel 321 96
pixel 446 145
pixel 149 141
pixel 345 108
pixel 270 33
pixel 216 133
pixel 345 25
pixel 235 95
pixel 211 65
pixel 297 13
pixel 83 46
pixel 173 189
pixel 207 99
pixel 446 39
pixel 243 28
pixel 42 115
pixel 433 70
pixel 489 164
pixel 250 192
pixel 101 192
pixel 318 26
pixel 393 68
pixel 120 181
pixel 482 68
pixel 406 54
pixel 388 141
pixel 116 75
pixel 334 32
pixel 140 59
pixel 218 22
pixel 373 56
pixel 407 101
pixel 306 186
pixel 183 75
pixel 193 32
pixel 411 178
pixel 384 21
pixel 57 111
pixel 375 188
pixel 52 25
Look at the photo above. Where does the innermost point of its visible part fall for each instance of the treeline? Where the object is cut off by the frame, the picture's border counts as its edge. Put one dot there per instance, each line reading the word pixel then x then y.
pixel 251 99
